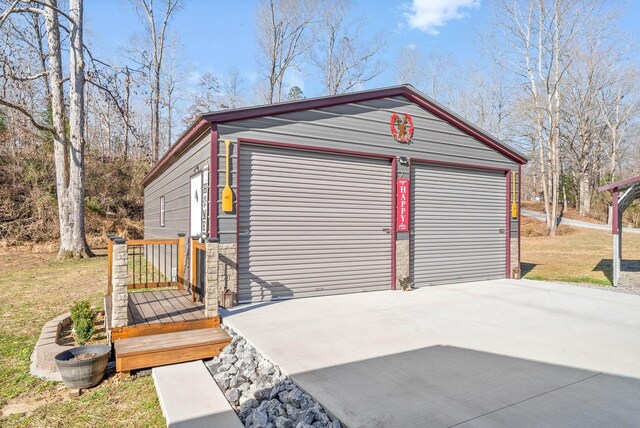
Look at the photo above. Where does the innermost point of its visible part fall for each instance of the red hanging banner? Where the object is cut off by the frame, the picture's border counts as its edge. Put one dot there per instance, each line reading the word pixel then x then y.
pixel 402 204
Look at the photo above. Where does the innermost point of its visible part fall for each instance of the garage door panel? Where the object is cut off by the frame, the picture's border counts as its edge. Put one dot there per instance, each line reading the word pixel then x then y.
pixel 458 217
pixel 312 223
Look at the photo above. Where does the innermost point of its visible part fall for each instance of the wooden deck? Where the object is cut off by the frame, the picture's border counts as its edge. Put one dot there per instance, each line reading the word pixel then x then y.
pixel 165 327
pixel 162 311
pixel 162 307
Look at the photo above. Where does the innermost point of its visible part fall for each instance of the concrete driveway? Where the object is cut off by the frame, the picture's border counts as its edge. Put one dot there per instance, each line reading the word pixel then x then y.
pixel 493 353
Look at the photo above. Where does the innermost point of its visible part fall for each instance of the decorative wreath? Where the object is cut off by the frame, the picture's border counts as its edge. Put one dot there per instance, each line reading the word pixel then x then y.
pixel 401 127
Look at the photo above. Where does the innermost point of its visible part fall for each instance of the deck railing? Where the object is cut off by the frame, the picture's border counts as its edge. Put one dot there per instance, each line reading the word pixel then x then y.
pixel 137 265
pixel 151 263
pixel 197 268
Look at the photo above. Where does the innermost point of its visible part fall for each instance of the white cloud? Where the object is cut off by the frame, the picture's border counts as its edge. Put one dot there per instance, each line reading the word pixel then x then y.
pixel 429 15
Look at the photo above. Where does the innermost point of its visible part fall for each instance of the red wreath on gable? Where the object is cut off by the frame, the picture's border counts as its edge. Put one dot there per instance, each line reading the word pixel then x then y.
pixel 401 127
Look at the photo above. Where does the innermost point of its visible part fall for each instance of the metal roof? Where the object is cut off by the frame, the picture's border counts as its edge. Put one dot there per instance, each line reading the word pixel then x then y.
pixel 620 183
pixel 407 91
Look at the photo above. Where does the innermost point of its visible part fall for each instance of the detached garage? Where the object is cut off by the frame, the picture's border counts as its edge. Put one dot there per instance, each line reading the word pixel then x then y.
pixel 342 194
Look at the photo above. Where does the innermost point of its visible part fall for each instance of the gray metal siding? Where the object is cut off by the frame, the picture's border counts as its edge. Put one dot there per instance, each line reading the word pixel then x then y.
pixel 174 185
pixel 458 224
pixel 362 127
pixel 312 223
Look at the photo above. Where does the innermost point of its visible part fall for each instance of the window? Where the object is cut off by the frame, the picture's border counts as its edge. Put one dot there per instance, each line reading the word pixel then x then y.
pixel 162 211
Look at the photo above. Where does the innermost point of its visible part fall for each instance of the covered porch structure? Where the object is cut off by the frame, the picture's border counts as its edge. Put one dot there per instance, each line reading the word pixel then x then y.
pixel 623 194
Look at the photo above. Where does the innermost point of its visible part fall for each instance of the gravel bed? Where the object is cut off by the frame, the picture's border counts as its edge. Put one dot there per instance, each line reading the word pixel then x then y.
pixel 261 395
pixel 625 289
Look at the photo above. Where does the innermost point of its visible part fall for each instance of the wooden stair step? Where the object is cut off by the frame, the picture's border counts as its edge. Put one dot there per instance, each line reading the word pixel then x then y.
pixel 169 348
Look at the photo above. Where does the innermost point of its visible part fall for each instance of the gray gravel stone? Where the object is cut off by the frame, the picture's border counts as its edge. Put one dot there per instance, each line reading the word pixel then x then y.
pixel 258 419
pixel 309 417
pixel 222 380
pixel 229 359
pixel 224 368
pixel 283 422
pixel 306 401
pixel 247 407
pixel 236 381
pixel 233 395
pixel 295 397
pixel 263 394
pixel 260 394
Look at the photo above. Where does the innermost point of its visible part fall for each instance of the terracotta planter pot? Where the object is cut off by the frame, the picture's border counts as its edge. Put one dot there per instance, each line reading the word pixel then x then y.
pixel 78 374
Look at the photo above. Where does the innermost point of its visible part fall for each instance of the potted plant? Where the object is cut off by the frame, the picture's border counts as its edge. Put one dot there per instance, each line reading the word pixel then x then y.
pixel 83 366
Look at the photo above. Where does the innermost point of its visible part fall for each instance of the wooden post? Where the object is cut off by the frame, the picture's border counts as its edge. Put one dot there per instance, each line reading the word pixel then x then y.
pixel 193 268
pixel 181 261
pixel 109 264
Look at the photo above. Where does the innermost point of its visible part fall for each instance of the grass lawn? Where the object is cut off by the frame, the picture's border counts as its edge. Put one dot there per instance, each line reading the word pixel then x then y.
pixel 33 289
pixel 577 255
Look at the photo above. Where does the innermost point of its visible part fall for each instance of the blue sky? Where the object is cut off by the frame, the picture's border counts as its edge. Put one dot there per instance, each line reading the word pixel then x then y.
pixel 217 34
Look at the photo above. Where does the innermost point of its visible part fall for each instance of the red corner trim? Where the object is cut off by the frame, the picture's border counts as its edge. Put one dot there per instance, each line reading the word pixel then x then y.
pixel 213 183
pixel 394 177
pixel 508 224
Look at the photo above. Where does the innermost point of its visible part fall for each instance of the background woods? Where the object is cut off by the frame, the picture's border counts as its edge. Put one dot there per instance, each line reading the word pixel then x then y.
pixel 558 79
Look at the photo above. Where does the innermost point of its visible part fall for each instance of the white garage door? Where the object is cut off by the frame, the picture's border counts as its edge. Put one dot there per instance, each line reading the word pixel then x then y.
pixel 312 223
pixel 459 220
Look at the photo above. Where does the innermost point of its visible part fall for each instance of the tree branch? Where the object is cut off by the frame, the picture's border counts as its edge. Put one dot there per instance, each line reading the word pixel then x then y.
pixel 8 12
pixel 27 114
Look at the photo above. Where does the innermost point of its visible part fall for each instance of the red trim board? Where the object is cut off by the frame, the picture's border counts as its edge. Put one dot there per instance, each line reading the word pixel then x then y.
pixel 394 174
pixel 508 224
pixel 213 184
pixel 519 215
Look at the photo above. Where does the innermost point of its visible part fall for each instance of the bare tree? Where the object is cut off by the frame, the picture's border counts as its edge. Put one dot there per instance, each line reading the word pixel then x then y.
pixel 619 104
pixel 156 26
pixel 435 74
pixel 232 88
pixel 537 38
pixel 345 59
pixel 486 97
pixel 68 149
pixel 206 98
pixel 282 38
pixel 409 67
pixel 173 71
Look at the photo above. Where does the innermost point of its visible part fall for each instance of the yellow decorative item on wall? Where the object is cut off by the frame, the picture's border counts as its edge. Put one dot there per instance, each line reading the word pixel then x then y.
pixel 227 193
pixel 514 205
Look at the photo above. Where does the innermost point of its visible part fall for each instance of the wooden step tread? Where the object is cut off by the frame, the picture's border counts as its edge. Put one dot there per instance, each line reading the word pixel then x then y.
pixel 170 341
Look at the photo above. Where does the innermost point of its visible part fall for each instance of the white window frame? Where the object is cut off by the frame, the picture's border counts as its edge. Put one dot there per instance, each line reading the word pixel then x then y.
pixel 162 211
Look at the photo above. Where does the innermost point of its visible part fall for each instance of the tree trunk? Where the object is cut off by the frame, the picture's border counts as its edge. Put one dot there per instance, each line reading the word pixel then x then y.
pixel 127 83
pixel 585 194
pixel 156 114
pixel 68 155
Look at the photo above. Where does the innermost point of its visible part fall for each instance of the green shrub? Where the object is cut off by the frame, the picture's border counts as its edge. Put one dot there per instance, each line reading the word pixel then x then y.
pixel 94 206
pixel 83 317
